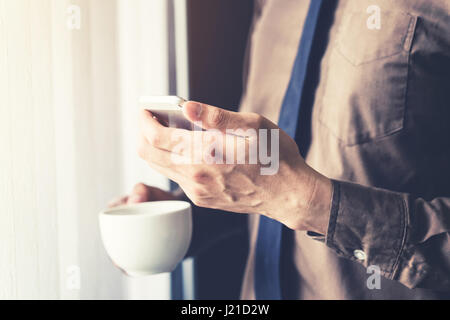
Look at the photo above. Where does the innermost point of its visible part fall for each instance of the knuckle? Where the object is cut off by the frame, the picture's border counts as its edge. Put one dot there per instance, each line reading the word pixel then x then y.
pixel 155 139
pixel 198 193
pixel 258 120
pixel 218 118
pixel 200 177
pixel 140 188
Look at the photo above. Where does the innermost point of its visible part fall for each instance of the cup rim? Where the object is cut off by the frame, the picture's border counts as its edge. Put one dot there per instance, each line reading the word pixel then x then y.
pixel 113 212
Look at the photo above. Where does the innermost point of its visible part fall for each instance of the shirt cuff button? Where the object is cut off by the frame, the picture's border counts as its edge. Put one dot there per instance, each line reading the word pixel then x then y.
pixel 360 255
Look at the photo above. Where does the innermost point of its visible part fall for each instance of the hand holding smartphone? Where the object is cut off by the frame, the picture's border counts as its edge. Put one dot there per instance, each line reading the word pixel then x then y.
pixel 168 110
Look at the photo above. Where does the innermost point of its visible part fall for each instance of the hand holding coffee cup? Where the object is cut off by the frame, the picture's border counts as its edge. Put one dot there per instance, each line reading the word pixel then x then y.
pixel 148 237
pixel 143 193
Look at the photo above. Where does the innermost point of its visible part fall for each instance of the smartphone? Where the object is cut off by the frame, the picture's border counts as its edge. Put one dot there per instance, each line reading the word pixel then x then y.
pixel 168 110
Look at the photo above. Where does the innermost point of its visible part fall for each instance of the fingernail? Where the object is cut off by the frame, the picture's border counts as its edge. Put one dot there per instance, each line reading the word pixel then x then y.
pixel 197 108
pixel 135 198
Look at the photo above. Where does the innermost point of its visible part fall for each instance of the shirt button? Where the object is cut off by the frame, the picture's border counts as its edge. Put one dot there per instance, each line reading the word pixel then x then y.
pixel 360 255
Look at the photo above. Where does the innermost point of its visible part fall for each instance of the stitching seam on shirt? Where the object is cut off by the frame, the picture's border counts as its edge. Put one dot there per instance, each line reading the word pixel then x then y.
pixel 331 210
pixel 357 64
pixel 335 207
pixel 405 98
pixel 362 140
pixel 405 222
pixel 409 38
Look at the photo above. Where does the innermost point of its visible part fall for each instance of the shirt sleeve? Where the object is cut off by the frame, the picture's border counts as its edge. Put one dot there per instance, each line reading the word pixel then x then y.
pixel 407 237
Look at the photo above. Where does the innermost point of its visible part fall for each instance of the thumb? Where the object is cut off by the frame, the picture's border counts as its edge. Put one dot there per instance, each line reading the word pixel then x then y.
pixel 210 117
pixel 140 193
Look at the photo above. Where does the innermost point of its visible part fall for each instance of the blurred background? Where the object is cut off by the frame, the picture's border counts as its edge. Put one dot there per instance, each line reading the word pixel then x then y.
pixel 71 74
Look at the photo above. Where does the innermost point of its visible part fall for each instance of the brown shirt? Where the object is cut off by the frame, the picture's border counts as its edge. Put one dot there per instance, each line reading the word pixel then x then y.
pixel 380 127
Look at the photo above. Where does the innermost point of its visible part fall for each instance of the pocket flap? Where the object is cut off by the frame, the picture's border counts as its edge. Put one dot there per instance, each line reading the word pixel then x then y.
pixel 360 43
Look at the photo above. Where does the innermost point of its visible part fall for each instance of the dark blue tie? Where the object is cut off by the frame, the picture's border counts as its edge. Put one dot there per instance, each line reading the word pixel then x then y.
pixel 268 245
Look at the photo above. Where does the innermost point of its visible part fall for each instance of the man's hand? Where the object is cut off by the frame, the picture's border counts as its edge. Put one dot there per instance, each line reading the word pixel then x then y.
pixel 209 168
pixel 143 193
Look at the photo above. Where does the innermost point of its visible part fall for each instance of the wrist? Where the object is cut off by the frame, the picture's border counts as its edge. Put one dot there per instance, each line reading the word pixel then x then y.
pixel 319 207
pixel 313 210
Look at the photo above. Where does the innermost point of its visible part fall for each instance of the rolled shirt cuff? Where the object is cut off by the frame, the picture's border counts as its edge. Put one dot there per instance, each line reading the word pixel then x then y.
pixel 367 225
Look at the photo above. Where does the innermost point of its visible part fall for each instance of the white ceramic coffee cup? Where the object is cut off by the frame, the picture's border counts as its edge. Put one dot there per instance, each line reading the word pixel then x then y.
pixel 147 238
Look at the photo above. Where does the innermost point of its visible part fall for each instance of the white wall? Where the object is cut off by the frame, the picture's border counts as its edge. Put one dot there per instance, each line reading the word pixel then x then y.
pixel 143 71
pixel 68 103
pixel 27 217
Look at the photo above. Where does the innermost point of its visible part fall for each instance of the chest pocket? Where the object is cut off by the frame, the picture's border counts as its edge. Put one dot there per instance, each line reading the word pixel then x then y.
pixel 365 90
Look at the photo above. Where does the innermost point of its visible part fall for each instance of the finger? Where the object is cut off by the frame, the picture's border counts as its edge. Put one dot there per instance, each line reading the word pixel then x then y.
pixel 228 149
pixel 144 193
pixel 169 164
pixel 209 117
pixel 161 195
pixel 118 202
pixel 187 150
pixel 168 173
pixel 157 156
pixel 141 189
pixel 135 198
pixel 161 137
pixel 139 194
